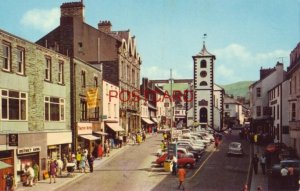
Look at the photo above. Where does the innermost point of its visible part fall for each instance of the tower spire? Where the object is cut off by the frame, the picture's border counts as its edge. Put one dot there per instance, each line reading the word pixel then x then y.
pixel 204 37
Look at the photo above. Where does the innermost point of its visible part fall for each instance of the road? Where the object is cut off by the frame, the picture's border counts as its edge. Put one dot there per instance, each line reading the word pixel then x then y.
pixel 133 169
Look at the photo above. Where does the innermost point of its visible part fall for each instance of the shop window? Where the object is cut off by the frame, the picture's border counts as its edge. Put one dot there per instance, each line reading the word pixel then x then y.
pixel 54 109
pixel 13 105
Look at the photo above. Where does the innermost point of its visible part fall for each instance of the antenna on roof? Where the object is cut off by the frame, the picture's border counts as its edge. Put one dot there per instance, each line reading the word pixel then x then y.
pixel 281 59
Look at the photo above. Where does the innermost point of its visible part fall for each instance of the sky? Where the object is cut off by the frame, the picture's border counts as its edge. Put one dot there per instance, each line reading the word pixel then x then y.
pixel 244 35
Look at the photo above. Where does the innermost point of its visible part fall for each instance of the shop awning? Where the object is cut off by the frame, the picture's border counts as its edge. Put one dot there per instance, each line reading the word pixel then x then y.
pixel 148 121
pixel 154 119
pixel 100 133
pixel 115 126
pixel 4 165
pixel 90 137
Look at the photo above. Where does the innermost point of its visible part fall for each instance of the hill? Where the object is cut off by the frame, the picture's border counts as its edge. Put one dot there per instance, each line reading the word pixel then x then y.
pixel 238 89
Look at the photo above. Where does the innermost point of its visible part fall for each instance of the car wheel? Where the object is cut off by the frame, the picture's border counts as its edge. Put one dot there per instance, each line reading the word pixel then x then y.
pixel 188 165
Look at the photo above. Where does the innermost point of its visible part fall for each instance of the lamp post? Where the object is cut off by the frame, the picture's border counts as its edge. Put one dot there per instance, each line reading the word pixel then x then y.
pixel 172 111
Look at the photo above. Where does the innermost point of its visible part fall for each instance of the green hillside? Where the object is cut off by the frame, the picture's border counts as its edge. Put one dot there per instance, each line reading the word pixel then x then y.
pixel 238 89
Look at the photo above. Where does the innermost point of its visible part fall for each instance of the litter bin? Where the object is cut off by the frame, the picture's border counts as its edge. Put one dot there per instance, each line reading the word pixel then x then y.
pixel 168 165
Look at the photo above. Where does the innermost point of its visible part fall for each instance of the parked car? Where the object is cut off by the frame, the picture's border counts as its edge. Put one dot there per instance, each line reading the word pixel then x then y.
pixel 196 152
pixel 275 147
pixel 235 148
pixel 184 151
pixel 276 168
pixel 182 160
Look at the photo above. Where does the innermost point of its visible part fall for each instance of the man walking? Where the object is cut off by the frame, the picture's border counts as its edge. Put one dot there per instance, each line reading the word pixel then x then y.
pixel 255 163
pixel 263 164
pixel 181 177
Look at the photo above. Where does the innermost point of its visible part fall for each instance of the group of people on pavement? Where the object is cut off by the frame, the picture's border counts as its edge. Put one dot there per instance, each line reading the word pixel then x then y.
pixel 31 174
pixel 84 159
pixel 262 160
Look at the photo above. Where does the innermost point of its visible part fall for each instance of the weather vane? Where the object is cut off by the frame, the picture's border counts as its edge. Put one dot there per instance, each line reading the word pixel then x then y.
pixel 204 37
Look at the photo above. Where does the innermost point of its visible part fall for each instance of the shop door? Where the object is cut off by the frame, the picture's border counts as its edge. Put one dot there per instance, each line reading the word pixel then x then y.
pixel 5 171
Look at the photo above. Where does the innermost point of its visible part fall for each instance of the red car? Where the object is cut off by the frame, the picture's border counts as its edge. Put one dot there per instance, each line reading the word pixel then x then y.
pixel 183 160
pixel 275 147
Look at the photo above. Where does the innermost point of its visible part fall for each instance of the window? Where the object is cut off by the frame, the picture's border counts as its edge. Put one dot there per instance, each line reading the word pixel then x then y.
pixel 203 74
pixel 96 113
pixel 20 60
pixel 258 111
pixel 106 88
pixel 258 92
pixel 48 69
pixel 13 105
pixel 128 74
pixel 61 72
pixel 96 81
pixel 115 110
pixel 54 109
pixel 6 56
pixel 277 111
pixel 293 117
pixel 133 77
pixel 227 106
pixel 83 84
pixel 83 110
pixel 108 108
pixel 203 64
pixel 203 83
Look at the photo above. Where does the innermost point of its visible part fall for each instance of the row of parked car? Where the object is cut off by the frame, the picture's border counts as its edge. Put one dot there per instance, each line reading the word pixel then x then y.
pixel 191 146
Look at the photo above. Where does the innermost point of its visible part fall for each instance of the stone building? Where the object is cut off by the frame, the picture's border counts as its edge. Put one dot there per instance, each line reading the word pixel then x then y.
pixel 114 51
pixel 293 72
pixel 35 104
pixel 86 119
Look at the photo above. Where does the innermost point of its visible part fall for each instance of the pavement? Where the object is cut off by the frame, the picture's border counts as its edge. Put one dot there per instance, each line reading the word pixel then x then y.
pixel 64 179
pixel 258 179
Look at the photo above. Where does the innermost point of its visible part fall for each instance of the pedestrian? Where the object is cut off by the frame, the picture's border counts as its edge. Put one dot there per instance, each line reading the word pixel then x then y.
pixel 181 177
pixel 36 170
pixel 60 165
pixel 216 142
pixel 9 182
pixel 284 174
pixel 100 151
pixel 83 163
pixel 120 141
pixel 107 148
pixel 52 170
pixel 255 163
pixel 174 168
pixel 78 159
pixel 90 159
pixel 245 188
pixel 263 163
pixel 30 174
pixel 95 151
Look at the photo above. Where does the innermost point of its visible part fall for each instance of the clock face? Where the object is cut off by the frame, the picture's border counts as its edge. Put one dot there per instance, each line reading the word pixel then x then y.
pixel 203 74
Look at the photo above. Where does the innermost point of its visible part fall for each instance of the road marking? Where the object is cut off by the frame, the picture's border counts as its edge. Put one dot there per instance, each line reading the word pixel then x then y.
pixel 200 167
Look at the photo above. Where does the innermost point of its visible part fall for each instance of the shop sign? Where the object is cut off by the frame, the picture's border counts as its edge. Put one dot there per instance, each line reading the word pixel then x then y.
pixel 84 128
pixel 13 140
pixel 26 150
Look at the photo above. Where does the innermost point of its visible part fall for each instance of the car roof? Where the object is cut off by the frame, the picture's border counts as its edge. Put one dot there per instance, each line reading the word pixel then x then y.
pixel 235 143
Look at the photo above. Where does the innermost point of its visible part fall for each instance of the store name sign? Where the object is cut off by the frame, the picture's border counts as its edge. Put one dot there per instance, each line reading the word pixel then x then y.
pixel 28 150
pixel 84 128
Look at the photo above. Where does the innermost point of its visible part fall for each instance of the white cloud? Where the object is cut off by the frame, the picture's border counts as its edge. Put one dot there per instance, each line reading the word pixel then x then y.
pixel 41 19
pixel 236 62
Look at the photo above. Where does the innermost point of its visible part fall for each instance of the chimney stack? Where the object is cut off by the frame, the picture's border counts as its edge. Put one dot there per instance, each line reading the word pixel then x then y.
pixel 104 26
pixel 72 9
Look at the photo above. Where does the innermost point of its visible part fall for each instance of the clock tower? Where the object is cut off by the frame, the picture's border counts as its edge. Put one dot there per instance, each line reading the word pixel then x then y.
pixel 204 87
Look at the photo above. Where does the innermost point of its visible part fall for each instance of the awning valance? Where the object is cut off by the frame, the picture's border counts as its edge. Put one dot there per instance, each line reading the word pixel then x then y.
pixel 115 126
pixel 148 121
pixel 154 119
pixel 100 133
pixel 90 137
pixel 4 165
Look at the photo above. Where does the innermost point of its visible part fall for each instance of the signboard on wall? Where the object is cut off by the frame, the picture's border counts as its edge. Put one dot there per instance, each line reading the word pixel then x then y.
pixel 13 140
pixel 84 128
pixel 26 150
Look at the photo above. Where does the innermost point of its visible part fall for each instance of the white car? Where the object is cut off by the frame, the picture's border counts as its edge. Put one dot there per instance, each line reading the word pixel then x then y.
pixel 194 146
pixel 235 148
pixel 192 141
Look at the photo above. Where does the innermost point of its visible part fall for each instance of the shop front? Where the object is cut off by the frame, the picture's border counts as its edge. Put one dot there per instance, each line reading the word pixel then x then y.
pixel 147 124
pixel 26 155
pixel 86 139
pixel 115 132
pixel 6 165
